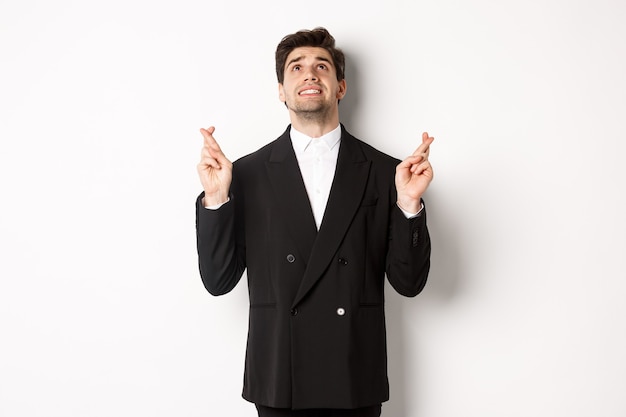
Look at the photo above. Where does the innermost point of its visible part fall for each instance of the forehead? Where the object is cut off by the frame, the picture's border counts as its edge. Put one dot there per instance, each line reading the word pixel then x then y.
pixel 308 53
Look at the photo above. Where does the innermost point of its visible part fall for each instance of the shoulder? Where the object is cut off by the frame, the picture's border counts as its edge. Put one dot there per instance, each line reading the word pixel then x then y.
pixel 369 152
pixel 263 154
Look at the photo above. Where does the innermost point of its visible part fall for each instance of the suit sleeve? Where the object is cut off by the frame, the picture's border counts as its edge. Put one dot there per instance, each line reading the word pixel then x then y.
pixel 408 257
pixel 221 248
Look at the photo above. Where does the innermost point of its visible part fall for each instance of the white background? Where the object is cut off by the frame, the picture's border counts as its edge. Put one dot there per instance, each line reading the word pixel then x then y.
pixel 102 311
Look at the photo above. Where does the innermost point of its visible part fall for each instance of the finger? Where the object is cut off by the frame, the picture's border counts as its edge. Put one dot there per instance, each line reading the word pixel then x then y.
pixel 425 145
pixel 208 131
pixel 419 161
pixel 213 154
pixel 413 160
pixel 212 146
pixel 429 140
pixel 208 161
pixel 422 169
pixel 207 153
pixel 209 140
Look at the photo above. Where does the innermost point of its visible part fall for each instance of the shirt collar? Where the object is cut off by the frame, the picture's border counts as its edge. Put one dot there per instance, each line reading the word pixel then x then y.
pixel 300 141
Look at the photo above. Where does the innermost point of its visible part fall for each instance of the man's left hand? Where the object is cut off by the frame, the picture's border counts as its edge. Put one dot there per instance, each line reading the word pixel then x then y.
pixel 413 175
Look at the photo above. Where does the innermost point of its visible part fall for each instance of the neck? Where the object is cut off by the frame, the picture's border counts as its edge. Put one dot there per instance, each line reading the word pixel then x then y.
pixel 313 125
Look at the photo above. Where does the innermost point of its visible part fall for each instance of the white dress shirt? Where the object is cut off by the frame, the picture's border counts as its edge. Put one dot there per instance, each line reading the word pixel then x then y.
pixel 317 158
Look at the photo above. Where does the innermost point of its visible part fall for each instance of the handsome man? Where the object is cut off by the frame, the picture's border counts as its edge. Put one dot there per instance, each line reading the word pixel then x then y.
pixel 317 217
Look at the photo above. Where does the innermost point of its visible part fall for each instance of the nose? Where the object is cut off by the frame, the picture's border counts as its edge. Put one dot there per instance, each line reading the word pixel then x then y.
pixel 310 75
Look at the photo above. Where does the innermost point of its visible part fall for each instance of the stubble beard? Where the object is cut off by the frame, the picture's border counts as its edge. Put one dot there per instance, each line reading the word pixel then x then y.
pixel 311 111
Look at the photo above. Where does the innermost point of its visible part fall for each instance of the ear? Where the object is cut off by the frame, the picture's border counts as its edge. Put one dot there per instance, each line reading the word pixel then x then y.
pixel 281 92
pixel 341 91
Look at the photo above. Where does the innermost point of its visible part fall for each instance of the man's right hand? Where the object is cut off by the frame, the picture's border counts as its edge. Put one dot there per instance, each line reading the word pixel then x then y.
pixel 215 170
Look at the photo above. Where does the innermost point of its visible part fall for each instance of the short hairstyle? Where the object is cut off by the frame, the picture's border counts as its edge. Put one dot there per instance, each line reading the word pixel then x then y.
pixel 318 37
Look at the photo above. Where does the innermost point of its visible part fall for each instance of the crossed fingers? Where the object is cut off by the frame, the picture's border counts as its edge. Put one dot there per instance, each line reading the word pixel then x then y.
pixel 212 154
pixel 417 162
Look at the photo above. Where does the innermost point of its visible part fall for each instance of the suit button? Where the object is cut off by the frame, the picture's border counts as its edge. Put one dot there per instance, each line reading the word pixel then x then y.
pixel 415 238
pixel 291 259
pixel 293 311
pixel 341 311
pixel 343 261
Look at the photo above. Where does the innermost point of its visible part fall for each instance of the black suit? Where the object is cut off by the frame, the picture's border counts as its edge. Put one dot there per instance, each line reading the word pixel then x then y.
pixel 317 328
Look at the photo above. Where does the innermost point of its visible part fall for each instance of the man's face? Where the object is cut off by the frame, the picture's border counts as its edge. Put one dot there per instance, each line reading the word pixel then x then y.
pixel 310 87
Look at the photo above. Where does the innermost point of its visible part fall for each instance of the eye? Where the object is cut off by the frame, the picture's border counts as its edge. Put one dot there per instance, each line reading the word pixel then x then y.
pixel 296 68
pixel 322 66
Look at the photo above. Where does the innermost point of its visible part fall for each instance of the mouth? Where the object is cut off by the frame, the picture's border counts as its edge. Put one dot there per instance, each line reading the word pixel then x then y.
pixel 310 92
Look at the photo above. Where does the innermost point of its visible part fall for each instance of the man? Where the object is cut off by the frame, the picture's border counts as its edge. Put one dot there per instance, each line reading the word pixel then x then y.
pixel 317 217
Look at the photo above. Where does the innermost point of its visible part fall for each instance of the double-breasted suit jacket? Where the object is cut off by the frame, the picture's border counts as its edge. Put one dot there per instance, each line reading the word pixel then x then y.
pixel 316 334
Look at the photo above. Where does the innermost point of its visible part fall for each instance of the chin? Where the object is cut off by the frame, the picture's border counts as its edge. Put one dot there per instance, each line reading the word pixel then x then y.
pixel 313 106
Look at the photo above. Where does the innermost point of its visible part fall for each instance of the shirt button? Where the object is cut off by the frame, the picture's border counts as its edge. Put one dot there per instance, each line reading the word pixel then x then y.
pixel 341 311
pixel 291 259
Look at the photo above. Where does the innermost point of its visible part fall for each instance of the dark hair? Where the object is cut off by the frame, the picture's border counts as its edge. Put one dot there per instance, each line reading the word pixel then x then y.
pixel 318 37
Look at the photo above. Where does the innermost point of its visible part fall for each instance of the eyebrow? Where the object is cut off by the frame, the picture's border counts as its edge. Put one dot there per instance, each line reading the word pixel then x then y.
pixel 299 58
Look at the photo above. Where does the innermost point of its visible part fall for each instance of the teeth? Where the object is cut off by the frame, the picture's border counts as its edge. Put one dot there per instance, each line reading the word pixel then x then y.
pixel 310 92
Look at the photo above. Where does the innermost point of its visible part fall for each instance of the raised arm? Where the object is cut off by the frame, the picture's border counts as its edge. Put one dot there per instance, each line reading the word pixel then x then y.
pixel 408 257
pixel 221 251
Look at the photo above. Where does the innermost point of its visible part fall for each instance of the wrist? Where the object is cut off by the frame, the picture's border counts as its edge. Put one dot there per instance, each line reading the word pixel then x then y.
pixel 410 205
pixel 214 199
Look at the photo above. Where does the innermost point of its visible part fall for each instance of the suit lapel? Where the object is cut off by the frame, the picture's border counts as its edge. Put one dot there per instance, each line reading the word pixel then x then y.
pixel 290 194
pixel 345 197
